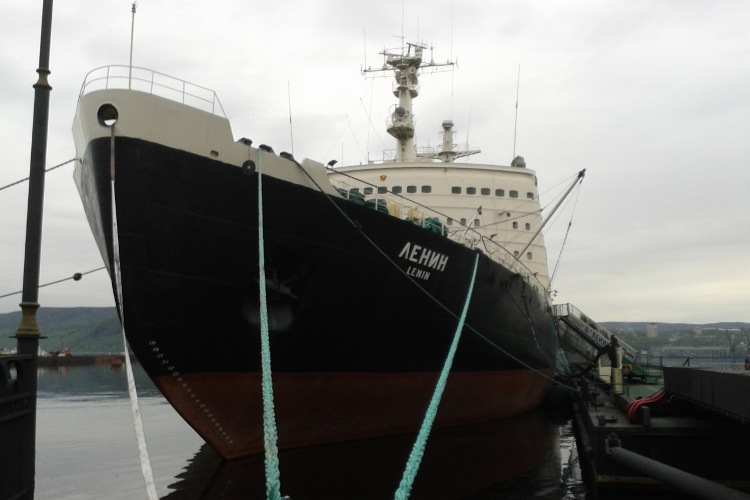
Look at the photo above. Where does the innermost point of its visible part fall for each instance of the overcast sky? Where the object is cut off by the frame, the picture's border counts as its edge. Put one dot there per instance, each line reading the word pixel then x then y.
pixel 651 98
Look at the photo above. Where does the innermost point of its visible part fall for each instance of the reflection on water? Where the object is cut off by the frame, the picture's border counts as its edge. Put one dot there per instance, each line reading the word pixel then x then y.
pixel 86 449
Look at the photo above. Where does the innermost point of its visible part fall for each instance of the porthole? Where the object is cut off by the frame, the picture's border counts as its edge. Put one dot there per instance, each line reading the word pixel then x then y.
pixel 248 168
pixel 107 115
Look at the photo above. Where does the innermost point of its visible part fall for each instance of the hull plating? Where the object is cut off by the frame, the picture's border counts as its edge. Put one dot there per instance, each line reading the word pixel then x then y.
pixel 356 345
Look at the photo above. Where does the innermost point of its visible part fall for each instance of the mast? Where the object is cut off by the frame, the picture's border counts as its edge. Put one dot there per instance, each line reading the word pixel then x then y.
pixel 401 123
pixel 406 65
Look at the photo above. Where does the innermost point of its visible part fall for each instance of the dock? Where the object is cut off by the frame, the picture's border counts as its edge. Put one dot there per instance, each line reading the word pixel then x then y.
pixel 693 438
pixel 114 360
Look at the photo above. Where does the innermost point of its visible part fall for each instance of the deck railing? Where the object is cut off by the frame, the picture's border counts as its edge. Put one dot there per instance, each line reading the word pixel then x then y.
pixel 152 82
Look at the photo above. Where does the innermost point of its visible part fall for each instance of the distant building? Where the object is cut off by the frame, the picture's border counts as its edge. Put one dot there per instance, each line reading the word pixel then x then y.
pixel 652 331
pixel 698 332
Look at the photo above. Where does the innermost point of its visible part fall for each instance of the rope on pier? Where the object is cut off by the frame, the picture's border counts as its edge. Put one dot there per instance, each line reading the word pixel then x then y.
pixel 273 481
pixel 148 475
pixel 415 458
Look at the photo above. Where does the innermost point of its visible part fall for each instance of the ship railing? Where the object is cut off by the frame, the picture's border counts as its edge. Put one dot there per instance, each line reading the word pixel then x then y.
pixel 401 207
pixel 152 82
pixel 592 331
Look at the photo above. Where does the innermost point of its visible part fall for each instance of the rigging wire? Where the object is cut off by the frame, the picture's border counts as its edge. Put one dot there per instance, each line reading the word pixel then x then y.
pixel 47 170
pixel 429 295
pixel 567 232
pixel 75 277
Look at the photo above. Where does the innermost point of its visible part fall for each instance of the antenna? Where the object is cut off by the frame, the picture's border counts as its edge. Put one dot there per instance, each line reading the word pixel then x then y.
pixel 132 30
pixel 291 129
pixel 515 121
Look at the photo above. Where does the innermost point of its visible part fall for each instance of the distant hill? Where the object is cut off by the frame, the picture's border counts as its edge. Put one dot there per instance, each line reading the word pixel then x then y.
pixel 640 327
pixel 80 329
pixel 97 329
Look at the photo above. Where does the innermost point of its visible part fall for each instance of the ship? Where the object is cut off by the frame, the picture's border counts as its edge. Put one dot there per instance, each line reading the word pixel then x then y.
pixel 366 268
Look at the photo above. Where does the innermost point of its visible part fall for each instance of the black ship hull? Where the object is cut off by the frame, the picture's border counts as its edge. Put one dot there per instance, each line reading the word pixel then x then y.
pixel 362 306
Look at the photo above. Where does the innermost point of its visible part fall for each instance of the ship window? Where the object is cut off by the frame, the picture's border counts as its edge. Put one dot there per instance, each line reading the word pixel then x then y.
pixel 426 189
pixel 456 190
pixel 513 194
pixel 485 191
pixel 368 190
pixel 411 189
pixel 463 222
pixel 528 226
pixel 530 196
pixel 396 189
pixel 354 190
pixel 528 255
pixel 471 190
pixel 450 221
pixel 476 222
pixel 515 254
pixel 499 192
pixel 382 189
pixel 515 225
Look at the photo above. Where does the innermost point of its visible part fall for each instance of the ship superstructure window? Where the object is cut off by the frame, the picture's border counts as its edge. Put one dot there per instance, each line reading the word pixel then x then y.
pixel 530 196
pixel 426 189
pixel 471 190
pixel 382 190
pixel 486 191
pixel 528 255
pixel 513 194
pixel 411 189
pixel 463 222
pixel 499 192
pixel 515 253
pixel 476 222
pixel 367 190
pixel 450 221
pixel 528 226
pixel 456 190
pixel 354 190
pixel 515 225
pixel 396 190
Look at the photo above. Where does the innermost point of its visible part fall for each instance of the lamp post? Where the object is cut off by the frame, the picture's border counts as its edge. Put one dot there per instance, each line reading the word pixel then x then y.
pixel 27 334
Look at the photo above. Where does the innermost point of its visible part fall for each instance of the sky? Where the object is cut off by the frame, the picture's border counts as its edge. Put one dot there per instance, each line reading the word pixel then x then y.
pixel 652 98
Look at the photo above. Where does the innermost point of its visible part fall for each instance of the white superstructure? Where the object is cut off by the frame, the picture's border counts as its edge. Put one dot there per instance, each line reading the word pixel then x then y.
pixel 493 208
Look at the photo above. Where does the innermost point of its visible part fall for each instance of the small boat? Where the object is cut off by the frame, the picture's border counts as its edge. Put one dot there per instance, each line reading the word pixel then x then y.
pixel 367 268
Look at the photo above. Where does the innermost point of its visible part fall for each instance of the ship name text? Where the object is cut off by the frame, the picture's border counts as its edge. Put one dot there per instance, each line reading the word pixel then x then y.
pixel 423 257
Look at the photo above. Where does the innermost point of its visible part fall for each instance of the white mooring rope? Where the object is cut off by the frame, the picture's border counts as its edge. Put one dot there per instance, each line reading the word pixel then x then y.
pixel 148 475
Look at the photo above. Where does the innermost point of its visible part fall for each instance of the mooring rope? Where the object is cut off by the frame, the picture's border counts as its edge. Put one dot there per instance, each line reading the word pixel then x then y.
pixel 148 475
pixel 273 481
pixel 415 458
pixel 428 294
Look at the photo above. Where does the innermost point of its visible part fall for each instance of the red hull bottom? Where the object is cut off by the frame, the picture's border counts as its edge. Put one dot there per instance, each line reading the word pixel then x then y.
pixel 227 409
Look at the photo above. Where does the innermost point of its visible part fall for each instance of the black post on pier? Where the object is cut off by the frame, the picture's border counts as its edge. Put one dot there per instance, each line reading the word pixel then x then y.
pixel 18 394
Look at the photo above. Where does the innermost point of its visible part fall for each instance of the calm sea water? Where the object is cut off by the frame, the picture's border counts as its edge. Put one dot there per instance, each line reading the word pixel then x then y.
pixel 86 449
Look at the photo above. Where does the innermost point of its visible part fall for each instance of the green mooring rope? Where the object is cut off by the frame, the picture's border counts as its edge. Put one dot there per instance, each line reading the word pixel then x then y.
pixel 415 458
pixel 273 481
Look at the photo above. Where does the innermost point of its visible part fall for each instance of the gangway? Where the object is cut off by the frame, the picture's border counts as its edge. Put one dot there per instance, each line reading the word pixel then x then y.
pixel 584 340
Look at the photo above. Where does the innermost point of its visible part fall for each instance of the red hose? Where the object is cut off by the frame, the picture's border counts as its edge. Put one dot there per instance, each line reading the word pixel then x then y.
pixel 655 399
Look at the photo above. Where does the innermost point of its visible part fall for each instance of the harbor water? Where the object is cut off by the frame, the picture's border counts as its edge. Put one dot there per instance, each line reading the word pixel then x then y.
pixel 86 449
